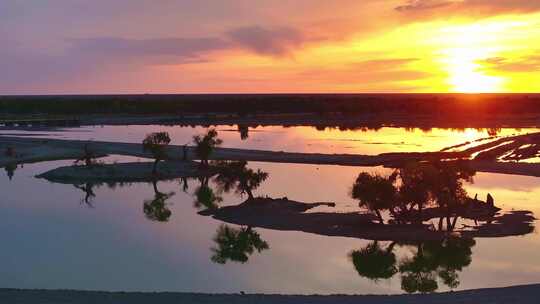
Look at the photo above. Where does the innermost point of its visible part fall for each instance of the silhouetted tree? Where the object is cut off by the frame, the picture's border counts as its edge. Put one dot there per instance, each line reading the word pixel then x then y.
pixel 244 131
pixel 374 192
pixel 416 185
pixel 10 152
pixel 205 145
pixel 236 244
pixel 156 144
pixel 449 192
pixel 157 208
pixel 88 157
pixel 493 131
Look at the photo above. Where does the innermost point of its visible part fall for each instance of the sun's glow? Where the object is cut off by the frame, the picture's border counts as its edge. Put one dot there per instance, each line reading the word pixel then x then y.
pixel 465 46
pixel 451 55
pixel 466 75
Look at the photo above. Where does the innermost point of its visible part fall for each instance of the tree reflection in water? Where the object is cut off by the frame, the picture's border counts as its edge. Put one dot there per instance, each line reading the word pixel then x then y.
pixel 157 209
pixel 236 244
pixel 185 184
pixel 374 262
pixel 236 175
pixel 433 262
pixel 10 170
pixel 244 131
pixel 205 197
pixel 405 203
pixel 88 189
pixel 414 194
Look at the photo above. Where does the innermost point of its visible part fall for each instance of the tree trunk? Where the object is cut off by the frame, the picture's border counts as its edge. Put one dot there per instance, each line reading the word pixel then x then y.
pixel 185 185
pixel 203 180
pixel 379 216
pixel 154 183
pixel 395 215
pixel 391 247
pixel 154 167
pixel 454 223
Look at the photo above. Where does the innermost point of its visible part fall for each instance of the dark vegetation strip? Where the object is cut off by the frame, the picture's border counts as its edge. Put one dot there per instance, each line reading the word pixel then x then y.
pixel 447 105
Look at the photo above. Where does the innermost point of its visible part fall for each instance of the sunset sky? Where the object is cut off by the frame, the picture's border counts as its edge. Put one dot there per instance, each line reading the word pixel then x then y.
pixel 248 46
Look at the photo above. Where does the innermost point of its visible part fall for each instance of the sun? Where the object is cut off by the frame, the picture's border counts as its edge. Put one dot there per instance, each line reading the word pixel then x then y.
pixel 466 74
pixel 465 46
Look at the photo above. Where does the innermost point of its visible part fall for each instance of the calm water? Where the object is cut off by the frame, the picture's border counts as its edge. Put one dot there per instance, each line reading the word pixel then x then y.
pixel 295 139
pixel 53 239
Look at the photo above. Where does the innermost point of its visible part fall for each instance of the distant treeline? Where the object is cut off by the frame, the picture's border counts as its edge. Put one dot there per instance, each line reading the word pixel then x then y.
pixel 246 104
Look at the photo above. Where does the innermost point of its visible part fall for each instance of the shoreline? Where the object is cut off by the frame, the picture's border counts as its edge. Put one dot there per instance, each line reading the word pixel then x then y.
pixel 30 150
pixel 522 294
pixel 287 215
pixel 330 120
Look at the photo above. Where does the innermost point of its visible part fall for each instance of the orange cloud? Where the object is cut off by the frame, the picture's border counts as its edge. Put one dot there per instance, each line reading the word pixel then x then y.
pixel 521 65
pixel 467 8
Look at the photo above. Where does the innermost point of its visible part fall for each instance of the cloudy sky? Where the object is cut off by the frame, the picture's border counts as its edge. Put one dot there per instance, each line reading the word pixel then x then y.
pixel 246 46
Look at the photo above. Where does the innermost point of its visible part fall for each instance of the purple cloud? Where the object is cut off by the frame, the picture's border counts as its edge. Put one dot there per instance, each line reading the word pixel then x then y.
pixel 84 58
pixel 181 47
pixel 275 41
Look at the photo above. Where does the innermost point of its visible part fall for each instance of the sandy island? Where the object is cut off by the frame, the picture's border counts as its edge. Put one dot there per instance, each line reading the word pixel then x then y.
pixel 123 172
pixel 287 215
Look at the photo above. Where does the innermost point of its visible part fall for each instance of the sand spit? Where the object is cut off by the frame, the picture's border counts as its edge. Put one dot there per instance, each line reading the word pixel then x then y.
pixel 483 158
pixel 526 294
pixel 122 172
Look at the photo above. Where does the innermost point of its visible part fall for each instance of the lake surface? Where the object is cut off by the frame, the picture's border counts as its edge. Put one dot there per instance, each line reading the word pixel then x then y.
pixel 295 139
pixel 52 238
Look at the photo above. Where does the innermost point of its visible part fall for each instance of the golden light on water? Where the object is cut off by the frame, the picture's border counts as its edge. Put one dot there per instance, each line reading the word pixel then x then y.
pixel 391 139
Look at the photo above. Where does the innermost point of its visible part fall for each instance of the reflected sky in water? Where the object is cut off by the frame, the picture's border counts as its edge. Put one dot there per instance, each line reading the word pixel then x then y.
pixel 297 139
pixel 53 240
